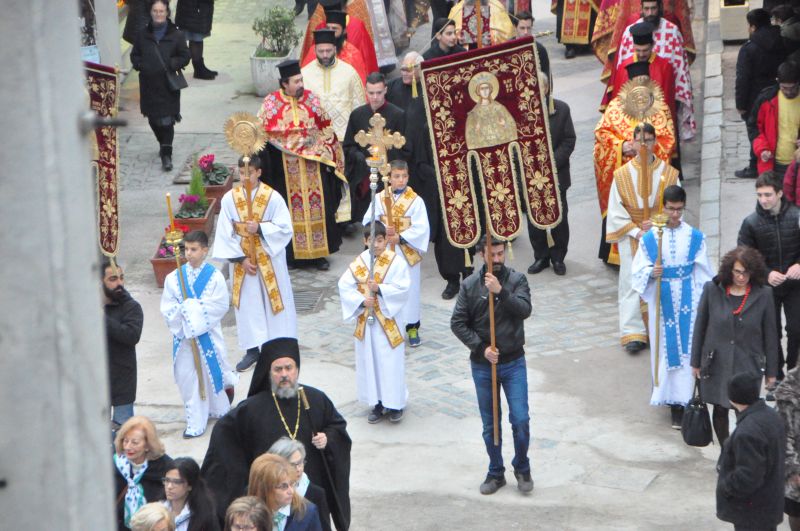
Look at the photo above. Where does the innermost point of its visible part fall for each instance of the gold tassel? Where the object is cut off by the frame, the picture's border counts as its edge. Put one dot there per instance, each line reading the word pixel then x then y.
pixel 467 260
pixel 414 93
pixel 550 241
pixel 510 251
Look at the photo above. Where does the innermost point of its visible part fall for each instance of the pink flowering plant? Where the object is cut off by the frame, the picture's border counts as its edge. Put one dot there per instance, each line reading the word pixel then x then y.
pixel 168 251
pixel 212 173
pixel 193 203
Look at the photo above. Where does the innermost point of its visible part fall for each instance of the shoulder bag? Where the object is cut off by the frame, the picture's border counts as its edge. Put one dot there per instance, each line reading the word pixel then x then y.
pixel 175 79
pixel 696 425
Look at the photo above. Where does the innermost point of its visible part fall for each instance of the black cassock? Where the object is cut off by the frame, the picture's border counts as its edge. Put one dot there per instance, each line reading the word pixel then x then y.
pixel 400 94
pixel 355 156
pixel 248 431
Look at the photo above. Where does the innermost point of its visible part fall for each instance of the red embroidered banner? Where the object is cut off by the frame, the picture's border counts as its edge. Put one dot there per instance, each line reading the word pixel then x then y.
pixel 489 132
pixel 103 89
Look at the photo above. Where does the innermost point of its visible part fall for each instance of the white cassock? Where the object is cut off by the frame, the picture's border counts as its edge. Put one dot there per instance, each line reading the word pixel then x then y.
pixel 380 369
pixel 192 318
pixel 622 224
pixel 417 237
pixel 686 270
pixel 255 322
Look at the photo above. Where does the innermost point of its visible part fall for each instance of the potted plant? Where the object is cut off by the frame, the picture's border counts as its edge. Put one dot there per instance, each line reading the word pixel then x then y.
pixel 217 178
pixel 163 261
pixel 196 211
pixel 279 37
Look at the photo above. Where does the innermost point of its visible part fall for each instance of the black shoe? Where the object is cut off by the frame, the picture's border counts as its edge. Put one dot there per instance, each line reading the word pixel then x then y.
pixel 166 162
pixel 230 392
pixel 524 481
pixel 677 416
pixel 322 264
pixel 538 266
pixel 351 229
pixel 492 484
pixel 248 361
pixel 570 52
pixel 635 346
pixel 451 290
pixel 395 415
pixel 376 415
pixel 559 268
pixel 204 74
pixel 746 173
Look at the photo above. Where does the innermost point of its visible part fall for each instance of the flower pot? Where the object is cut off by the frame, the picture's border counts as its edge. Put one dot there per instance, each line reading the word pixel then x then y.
pixel 163 267
pixel 733 21
pixel 265 72
pixel 206 223
pixel 216 191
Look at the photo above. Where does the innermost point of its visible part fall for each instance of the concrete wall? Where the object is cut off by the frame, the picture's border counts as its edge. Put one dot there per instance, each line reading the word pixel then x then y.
pixel 108 33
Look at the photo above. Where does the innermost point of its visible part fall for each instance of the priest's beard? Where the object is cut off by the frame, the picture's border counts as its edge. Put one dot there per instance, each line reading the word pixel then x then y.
pixel 284 392
pixel 326 62
pixel 655 20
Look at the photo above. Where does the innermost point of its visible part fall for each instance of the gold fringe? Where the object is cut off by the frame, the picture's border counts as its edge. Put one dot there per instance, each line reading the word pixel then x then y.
pixel 550 241
pixel 467 260
pixel 510 251
pixel 414 93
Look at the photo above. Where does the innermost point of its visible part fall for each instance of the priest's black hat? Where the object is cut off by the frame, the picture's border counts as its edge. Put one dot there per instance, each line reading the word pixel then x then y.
pixel 324 36
pixel 336 17
pixel 289 68
pixel 744 388
pixel 642 33
pixel 638 68
pixel 281 347
pixel 329 5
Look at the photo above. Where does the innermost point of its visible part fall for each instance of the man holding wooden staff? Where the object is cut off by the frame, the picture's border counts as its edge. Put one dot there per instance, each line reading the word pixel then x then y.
pixel 473 324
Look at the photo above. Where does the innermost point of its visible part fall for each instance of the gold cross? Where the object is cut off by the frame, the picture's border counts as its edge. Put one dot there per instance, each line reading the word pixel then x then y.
pixel 380 140
pixel 261 200
pixel 361 271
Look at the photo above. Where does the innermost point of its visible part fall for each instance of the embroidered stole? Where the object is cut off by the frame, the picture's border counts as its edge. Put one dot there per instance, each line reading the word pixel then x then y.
pixel 306 201
pixel 402 222
pixel 360 272
pixel 262 259
pixel 206 346
pixel 575 21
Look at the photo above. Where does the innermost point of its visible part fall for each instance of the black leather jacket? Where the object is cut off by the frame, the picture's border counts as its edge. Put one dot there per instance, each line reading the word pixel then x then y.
pixel 777 238
pixel 470 320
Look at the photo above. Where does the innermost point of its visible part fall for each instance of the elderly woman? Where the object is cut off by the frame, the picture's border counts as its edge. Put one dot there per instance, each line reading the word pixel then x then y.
pixel 247 513
pixel 295 453
pixel 152 517
pixel 272 480
pixel 140 464
pixel 734 329
pixel 160 48
pixel 188 498
pixel 787 397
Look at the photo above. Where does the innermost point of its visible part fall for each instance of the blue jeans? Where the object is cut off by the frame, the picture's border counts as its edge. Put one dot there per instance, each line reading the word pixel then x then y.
pixel 122 413
pixel 513 379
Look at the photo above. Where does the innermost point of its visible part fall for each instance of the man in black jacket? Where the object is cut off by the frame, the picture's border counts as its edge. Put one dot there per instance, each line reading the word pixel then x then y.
pixel 750 486
pixel 774 230
pixel 756 68
pixel 562 136
pixel 470 324
pixel 124 319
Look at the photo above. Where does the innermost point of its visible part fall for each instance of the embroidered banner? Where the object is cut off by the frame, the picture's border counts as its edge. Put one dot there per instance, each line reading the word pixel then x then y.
pixel 102 87
pixel 489 132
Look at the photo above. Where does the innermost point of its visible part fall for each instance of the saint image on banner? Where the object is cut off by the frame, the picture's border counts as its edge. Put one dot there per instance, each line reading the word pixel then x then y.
pixel 488 123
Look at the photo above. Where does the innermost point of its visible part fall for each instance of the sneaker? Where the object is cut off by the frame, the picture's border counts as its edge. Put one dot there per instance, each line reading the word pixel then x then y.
pixel 492 484
pixel 376 415
pixel 413 337
pixel 395 415
pixel 524 481
pixel 248 361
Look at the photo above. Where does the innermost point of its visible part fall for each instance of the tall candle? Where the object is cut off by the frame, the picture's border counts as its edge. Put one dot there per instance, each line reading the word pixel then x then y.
pixel 169 210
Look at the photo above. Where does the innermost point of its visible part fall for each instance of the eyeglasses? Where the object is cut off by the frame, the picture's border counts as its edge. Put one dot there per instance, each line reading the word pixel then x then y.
pixel 243 527
pixel 298 464
pixel 283 486
pixel 741 272
pixel 172 481
pixel 675 210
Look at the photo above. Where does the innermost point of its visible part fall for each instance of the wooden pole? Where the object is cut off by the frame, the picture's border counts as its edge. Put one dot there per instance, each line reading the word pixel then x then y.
pixel 487 253
pixel 659 221
pixel 479 25
pixel 388 202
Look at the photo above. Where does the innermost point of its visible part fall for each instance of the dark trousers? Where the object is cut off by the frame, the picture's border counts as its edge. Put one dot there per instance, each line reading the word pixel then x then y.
pixel 449 259
pixel 787 296
pixel 560 235
pixel 164 133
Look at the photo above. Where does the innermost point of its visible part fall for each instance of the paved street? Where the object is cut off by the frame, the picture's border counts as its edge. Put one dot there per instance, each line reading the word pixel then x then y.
pixel 602 457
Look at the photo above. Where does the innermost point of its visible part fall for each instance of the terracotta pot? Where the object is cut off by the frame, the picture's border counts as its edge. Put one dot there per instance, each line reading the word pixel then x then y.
pixel 205 223
pixel 163 266
pixel 216 191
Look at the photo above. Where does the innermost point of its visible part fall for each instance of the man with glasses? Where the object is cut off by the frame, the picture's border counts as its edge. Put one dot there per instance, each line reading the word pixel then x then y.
pixel 626 223
pixel 777 118
pixel 682 271
pixel 774 230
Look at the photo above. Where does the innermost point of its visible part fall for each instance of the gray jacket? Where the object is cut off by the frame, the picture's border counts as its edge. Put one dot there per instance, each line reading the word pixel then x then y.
pixel 724 344
pixel 787 397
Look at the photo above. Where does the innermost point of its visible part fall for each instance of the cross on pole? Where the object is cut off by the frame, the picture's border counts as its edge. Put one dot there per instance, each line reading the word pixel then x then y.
pixel 379 140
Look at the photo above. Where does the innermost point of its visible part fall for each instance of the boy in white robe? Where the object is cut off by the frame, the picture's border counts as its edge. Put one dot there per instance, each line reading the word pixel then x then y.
pixel 262 291
pixel 193 305
pixel 380 346
pixel 407 236
pixel 683 271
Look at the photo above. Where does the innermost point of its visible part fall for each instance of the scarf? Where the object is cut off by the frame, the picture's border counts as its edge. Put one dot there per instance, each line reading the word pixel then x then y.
pixel 302 485
pixel 134 497
pixel 279 520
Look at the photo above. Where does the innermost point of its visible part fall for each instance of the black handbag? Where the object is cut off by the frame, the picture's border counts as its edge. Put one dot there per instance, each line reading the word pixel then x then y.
pixel 175 79
pixel 696 425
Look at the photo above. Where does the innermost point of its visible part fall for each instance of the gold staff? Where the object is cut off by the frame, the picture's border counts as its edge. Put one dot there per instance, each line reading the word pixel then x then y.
pixel 659 222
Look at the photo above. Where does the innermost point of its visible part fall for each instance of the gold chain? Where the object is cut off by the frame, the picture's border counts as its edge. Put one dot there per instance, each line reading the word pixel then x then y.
pixel 293 436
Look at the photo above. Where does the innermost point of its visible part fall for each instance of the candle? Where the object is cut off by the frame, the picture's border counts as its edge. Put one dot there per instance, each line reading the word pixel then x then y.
pixel 169 210
pixel 661 187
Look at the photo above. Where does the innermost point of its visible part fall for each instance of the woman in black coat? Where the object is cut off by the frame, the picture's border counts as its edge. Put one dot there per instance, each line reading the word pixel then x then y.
pixel 734 330
pixel 194 18
pixel 160 47
pixel 140 464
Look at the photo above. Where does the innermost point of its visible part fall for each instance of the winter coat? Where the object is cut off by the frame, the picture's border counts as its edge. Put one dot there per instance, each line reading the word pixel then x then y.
pixel 195 16
pixel 124 321
pixel 777 238
pixel 751 470
pixel 156 100
pixel 791 184
pixel 790 35
pixel 150 482
pixel 757 65
pixel 724 344
pixel 137 19
pixel 562 137
pixel 309 522
pixel 470 320
pixel 787 397
pixel 767 126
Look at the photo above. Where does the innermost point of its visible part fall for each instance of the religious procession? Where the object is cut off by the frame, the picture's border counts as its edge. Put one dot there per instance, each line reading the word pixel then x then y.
pixel 390 210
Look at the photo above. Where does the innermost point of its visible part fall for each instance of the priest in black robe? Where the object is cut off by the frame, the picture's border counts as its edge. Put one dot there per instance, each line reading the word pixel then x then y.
pixel 355 156
pixel 274 409
pixel 401 90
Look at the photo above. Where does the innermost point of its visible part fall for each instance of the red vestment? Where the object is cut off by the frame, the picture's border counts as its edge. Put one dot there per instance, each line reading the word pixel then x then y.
pixel 348 54
pixel 357 35
pixel 661 72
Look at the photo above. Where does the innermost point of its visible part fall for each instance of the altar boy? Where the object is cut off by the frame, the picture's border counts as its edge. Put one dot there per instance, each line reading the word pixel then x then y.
pixel 380 346
pixel 193 306
pixel 407 236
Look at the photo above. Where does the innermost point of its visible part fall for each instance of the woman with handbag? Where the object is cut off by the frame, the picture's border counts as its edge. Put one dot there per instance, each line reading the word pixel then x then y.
pixel 159 54
pixel 733 332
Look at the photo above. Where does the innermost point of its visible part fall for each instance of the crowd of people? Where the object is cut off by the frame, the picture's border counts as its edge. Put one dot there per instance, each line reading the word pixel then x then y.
pixel 280 459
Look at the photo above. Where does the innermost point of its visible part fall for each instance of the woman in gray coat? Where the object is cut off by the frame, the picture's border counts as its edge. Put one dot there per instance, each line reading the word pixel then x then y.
pixel 733 331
